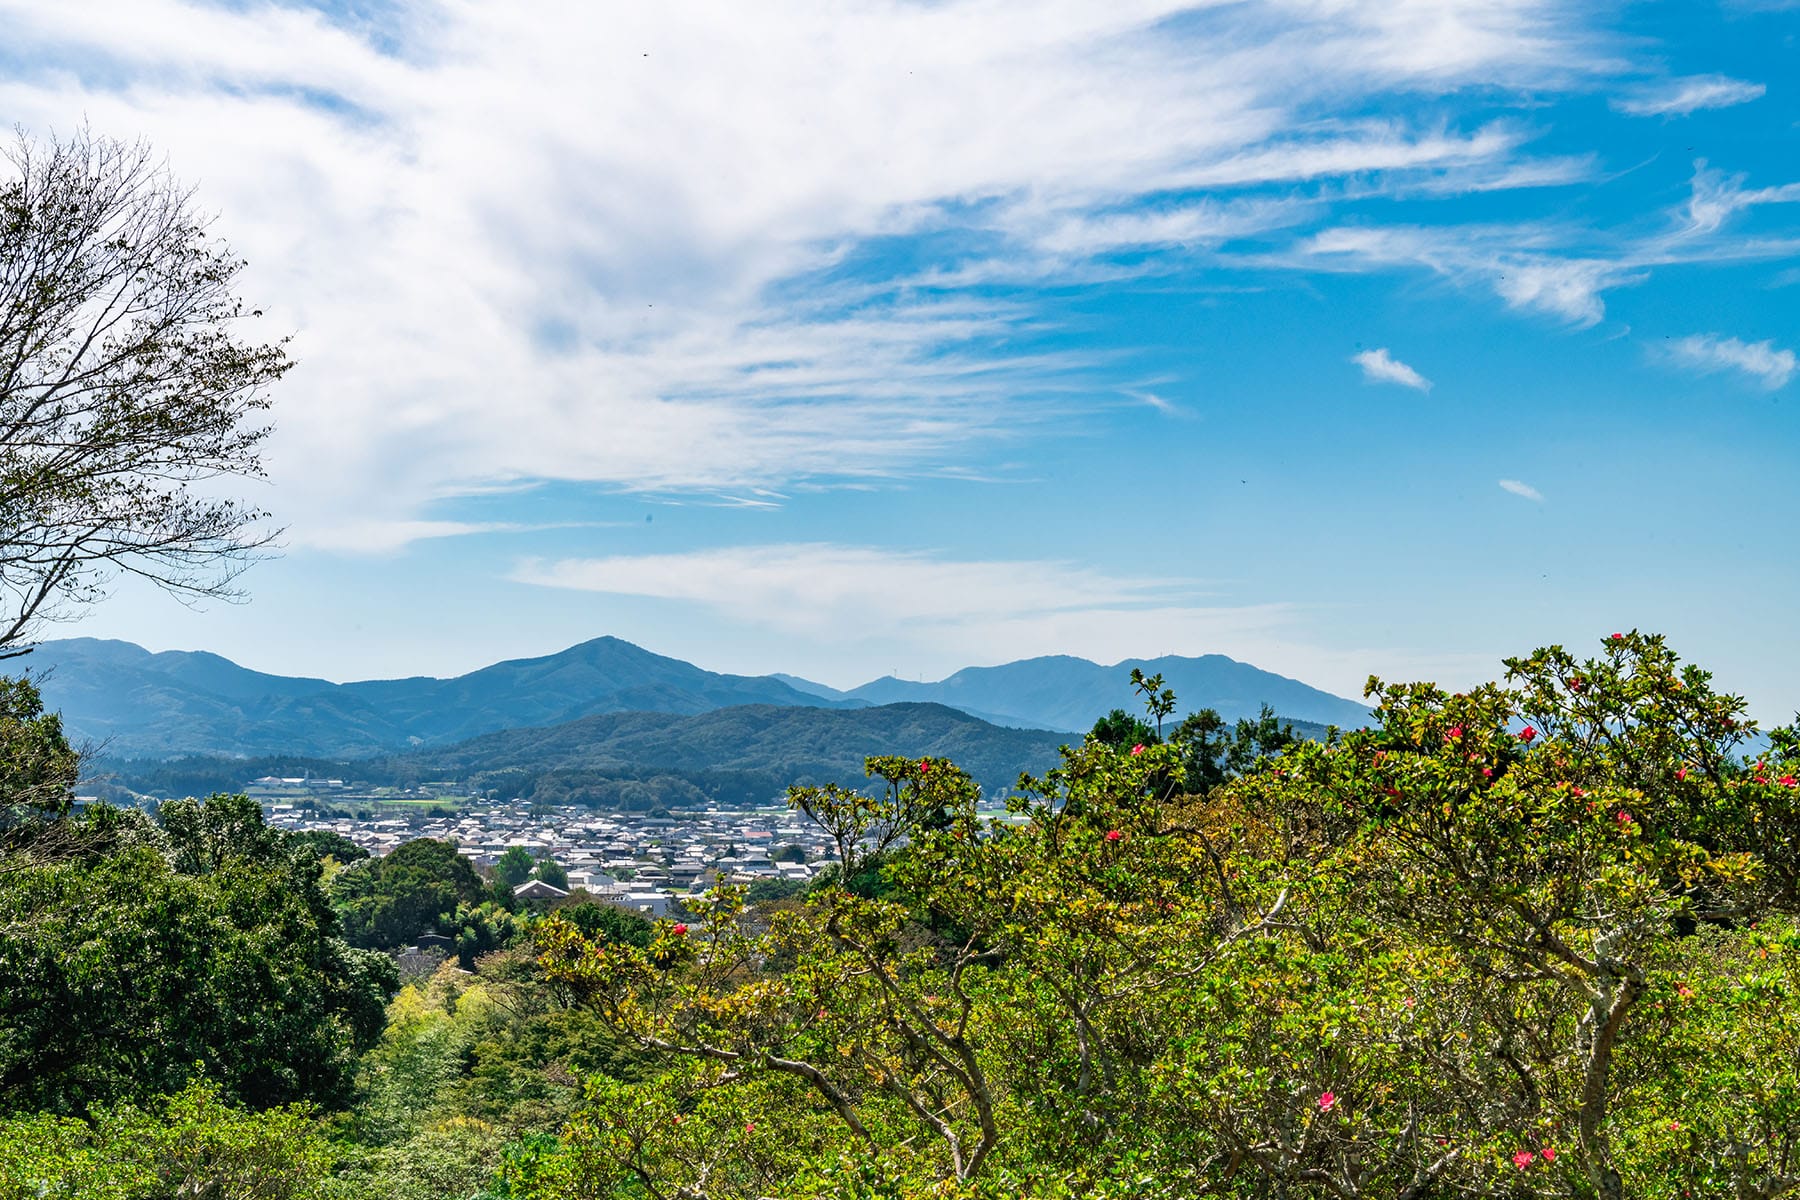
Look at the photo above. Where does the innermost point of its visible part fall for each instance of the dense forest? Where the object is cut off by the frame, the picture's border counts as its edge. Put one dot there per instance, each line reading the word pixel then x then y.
pixel 638 761
pixel 1536 938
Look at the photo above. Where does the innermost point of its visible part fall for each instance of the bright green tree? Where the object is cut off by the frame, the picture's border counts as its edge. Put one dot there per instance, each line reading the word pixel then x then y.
pixel 514 867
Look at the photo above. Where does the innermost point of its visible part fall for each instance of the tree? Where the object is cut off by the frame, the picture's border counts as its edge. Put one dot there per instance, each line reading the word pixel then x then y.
pixel 1121 730
pixel 124 970
pixel 386 902
pixel 1212 754
pixel 514 867
pixel 125 388
pixel 38 767
pixel 193 1144
pixel 552 873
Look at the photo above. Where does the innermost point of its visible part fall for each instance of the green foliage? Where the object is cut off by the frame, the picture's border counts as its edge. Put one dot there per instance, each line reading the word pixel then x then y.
pixel 607 924
pixel 38 768
pixel 551 872
pixel 467 1066
pixel 124 970
pixel 765 891
pixel 1538 938
pixel 1211 753
pixel 387 902
pixel 323 843
pixel 193 1144
pixel 514 867
pixel 1121 730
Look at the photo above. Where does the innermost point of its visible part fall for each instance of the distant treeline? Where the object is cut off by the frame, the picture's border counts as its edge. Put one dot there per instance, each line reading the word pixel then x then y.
pixel 620 789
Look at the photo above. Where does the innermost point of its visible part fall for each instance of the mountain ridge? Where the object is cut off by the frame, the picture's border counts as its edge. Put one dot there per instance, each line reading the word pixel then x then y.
pixel 127 701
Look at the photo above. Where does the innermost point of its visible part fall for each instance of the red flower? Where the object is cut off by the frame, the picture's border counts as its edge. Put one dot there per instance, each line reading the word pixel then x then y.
pixel 1113 835
pixel 1675 1126
pixel 1523 1159
pixel 1327 1100
pixel 1455 732
pixel 1549 1153
pixel 924 766
pixel 1618 637
pixel 679 931
pixel 1622 817
pixel 1527 733
pixel 1788 781
pixel 1684 991
pixel 1680 772
pixel 1138 749
pixel 1487 772
pixel 749 1126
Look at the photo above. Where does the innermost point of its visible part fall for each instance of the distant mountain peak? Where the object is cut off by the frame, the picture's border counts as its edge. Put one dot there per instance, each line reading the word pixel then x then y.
pixel 144 704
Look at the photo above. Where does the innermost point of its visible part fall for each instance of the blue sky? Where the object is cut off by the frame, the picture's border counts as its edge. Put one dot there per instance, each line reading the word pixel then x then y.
pixel 1340 336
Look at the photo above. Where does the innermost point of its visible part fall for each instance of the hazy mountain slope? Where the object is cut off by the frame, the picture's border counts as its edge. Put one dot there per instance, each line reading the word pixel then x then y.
pixel 1061 692
pixel 790 743
pixel 134 703
pixel 602 675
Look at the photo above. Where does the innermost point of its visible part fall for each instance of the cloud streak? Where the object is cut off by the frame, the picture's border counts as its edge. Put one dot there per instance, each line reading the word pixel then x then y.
pixel 1378 366
pixel 1765 363
pixel 1680 97
pixel 1524 490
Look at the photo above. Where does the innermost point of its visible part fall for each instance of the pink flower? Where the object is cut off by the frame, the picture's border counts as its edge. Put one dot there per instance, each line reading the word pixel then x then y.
pixel 924 766
pixel 1549 1153
pixel 1675 1126
pixel 1487 772
pixel 1138 749
pixel 1527 733
pixel 1618 637
pixel 1327 1100
pixel 1523 1159
pixel 1684 991
pixel 1113 835
pixel 679 931
pixel 1622 817
pixel 749 1126
pixel 1455 732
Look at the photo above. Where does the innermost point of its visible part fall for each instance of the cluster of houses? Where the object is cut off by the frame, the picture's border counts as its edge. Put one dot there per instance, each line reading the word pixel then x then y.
pixel 643 863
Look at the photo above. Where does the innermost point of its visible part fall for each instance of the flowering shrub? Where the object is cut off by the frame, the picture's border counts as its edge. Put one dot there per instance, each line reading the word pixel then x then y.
pixel 1536 935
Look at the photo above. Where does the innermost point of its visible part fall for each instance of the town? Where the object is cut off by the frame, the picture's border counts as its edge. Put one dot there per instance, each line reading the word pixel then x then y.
pixel 644 862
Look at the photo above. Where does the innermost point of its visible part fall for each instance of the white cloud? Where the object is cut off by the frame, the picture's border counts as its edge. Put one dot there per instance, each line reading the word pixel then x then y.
pixel 1380 367
pixel 1770 367
pixel 1679 97
pixel 1522 489
pixel 553 241
pixel 1717 196
pixel 1518 263
pixel 849 600
pixel 814 585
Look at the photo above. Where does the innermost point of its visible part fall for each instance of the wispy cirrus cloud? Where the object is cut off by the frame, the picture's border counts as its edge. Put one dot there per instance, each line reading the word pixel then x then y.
pixel 1767 364
pixel 1689 94
pixel 546 242
pixel 1531 269
pixel 1378 366
pixel 1716 196
pixel 1522 490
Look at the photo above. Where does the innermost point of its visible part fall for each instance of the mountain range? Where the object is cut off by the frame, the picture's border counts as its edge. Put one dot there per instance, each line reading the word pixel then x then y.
pixel 132 703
